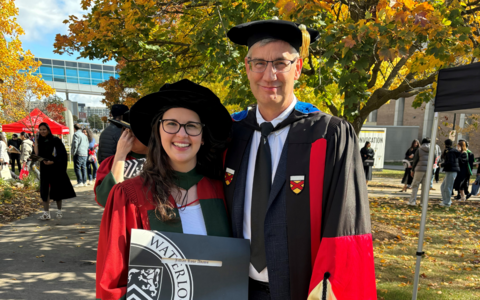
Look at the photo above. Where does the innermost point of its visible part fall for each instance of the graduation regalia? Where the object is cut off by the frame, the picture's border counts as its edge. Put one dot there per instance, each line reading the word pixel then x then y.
pixel 317 228
pixel 128 208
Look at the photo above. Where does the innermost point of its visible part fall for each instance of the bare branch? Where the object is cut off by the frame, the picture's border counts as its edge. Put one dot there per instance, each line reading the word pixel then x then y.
pixel 375 71
pixel 333 109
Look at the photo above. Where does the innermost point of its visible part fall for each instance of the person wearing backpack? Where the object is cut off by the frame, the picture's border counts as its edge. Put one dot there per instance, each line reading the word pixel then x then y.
pixel 450 166
pixel 465 161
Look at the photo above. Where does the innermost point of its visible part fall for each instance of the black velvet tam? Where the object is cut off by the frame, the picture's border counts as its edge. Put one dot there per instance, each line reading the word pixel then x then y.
pixel 252 32
pixel 185 94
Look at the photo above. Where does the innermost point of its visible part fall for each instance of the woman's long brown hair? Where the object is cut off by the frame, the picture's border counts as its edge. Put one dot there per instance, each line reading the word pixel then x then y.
pixel 158 175
pixel 463 146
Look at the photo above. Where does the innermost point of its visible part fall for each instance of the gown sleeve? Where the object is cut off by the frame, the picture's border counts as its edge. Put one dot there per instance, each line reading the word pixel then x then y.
pixel 344 263
pixel 104 182
pixel 119 218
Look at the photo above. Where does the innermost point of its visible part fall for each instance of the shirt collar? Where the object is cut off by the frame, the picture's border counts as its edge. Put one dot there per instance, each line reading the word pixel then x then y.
pixel 280 118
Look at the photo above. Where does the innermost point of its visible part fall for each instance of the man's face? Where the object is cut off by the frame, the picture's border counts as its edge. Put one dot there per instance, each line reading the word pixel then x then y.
pixel 271 88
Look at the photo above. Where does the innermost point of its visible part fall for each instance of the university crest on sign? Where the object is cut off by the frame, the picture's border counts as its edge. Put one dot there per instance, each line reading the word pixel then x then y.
pixel 297 183
pixel 229 176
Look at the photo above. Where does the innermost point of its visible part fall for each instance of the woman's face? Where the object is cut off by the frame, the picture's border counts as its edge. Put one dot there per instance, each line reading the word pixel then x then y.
pixel 415 144
pixel 43 131
pixel 84 132
pixel 180 147
pixel 368 145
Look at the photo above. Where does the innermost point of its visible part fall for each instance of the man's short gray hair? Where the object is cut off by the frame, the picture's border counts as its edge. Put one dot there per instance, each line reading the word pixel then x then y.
pixel 264 42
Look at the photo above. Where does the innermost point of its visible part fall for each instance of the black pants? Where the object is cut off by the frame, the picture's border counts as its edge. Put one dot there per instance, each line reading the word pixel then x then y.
pixel 13 158
pixel 258 290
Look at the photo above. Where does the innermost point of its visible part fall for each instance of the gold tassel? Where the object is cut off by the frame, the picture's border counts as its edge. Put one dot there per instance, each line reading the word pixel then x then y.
pixel 305 41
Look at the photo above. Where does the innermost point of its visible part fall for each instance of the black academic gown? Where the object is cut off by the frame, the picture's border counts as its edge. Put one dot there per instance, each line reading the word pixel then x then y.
pixel 317 227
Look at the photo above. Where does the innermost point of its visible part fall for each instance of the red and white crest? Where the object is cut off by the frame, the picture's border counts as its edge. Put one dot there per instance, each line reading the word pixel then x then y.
pixel 297 183
pixel 229 176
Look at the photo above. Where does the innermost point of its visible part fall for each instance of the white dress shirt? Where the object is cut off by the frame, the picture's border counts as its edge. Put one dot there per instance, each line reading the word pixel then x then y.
pixel 276 141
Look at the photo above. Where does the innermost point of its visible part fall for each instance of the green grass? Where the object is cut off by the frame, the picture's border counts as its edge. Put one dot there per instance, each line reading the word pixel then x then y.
pixel 71 171
pixel 451 266
pixel 396 174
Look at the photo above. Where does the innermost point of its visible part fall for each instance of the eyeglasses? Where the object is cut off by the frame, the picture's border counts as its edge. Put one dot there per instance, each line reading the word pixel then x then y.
pixel 279 65
pixel 173 127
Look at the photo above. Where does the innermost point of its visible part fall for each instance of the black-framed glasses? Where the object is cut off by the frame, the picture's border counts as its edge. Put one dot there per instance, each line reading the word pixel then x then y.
pixel 173 127
pixel 279 65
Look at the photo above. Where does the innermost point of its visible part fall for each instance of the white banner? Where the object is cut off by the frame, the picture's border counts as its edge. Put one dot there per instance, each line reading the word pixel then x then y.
pixel 377 138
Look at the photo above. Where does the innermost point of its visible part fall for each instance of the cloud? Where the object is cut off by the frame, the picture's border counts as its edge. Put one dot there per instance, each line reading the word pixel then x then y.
pixel 42 18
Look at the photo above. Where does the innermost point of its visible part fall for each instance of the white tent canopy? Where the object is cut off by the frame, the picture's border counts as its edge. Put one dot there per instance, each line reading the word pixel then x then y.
pixel 458 91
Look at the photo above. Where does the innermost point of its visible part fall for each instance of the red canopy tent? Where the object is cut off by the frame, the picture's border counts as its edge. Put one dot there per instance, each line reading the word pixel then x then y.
pixel 32 121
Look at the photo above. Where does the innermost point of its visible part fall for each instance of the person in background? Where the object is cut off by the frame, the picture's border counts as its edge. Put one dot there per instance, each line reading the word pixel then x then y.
pixel 26 149
pixel 109 137
pixel 367 153
pixel 419 169
pixel 79 152
pixel 92 156
pixel 15 157
pixel 436 159
pixel 407 176
pixel 5 159
pixel 466 161
pixel 127 162
pixel 450 166
pixel 54 182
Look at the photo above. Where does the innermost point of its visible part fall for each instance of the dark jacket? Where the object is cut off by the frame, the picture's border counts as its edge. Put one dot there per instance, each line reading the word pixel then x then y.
pixel 450 157
pixel 367 153
pixel 15 143
pixel 107 145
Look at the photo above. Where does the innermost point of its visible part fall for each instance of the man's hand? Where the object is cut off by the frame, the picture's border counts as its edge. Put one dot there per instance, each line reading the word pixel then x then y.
pixel 125 144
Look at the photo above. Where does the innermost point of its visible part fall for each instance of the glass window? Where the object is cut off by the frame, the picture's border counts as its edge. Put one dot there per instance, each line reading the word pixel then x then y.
pixel 47 77
pixel 96 81
pixel 107 75
pixel 96 75
pixel 71 64
pixel 58 62
pixel 46 70
pixel 72 79
pixel 84 73
pixel 59 71
pixel 59 78
pixel 72 72
pixel 96 67
pixel 84 81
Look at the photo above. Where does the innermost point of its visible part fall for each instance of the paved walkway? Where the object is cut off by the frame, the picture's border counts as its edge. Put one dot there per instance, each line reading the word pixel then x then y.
pixel 52 259
pixel 56 259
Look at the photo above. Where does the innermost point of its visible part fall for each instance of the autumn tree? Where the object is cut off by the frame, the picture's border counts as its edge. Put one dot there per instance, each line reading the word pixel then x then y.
pixel 95 122
pixel 17 82
pixel 369 51
pixel 117 92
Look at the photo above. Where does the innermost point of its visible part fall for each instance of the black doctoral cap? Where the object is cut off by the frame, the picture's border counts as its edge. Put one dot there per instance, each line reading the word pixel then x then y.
pixel 185 94
pixel 297 35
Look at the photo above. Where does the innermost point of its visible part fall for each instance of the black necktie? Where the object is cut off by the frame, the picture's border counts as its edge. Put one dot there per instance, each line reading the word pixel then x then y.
pixel 262 183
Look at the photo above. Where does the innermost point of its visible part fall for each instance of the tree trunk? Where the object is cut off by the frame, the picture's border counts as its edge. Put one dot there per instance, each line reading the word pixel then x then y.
pixel 358 123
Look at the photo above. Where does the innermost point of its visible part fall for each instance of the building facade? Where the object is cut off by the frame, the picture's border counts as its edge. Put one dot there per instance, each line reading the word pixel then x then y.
pixel 401 113
pixel 97 110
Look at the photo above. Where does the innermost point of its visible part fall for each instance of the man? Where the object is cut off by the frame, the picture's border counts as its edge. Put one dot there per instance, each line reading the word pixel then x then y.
pixel 451 167
pixel 438 153
pixel 308 220
pixel 107 145
pixel 15 157
pixel 419 168
pixel 80 154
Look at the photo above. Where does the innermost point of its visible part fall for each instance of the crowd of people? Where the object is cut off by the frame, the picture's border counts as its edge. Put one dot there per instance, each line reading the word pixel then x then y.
pixel 457 163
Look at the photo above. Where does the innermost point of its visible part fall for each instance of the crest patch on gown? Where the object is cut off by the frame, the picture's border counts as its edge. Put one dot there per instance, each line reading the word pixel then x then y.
pixel 297 183
pixel 229 176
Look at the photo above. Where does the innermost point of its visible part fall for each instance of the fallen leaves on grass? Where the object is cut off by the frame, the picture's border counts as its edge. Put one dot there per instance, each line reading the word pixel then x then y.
pixel 22 203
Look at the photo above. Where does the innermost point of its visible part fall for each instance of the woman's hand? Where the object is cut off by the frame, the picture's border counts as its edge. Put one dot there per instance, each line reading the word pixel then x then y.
pixel 411 156
pixel 48 162
pixel 125 144
pixel 412 173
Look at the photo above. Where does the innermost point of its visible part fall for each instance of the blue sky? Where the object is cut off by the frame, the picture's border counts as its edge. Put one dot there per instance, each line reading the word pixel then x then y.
pixel 42 20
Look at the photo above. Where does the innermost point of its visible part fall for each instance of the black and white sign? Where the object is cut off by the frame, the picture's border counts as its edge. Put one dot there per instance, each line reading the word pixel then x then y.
pixel 173 266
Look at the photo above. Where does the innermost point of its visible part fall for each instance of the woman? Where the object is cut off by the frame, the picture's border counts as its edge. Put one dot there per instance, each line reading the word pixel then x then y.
pixel 92 158
pixel 5 172
pixel 54 181
pixel 127 162
pixel 185 127
pixel 407 176
pixel 367 155
pixel 466 161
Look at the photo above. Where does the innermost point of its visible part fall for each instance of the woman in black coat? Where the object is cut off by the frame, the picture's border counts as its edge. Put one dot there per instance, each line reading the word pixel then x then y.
pixel 465 161
pixel 367 153
pixel 54 181
pixel 407 176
